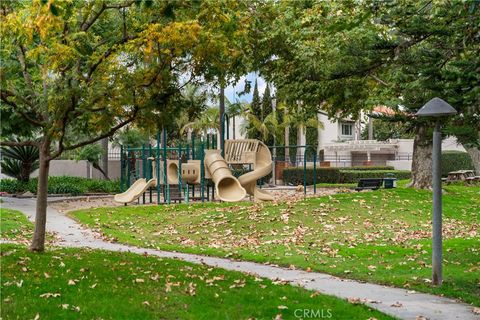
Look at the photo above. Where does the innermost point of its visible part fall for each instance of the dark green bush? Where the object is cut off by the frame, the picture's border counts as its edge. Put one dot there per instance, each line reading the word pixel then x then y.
pixel 11 186
pixel 368 168
pixel 352 176
pixel 454 161
pixel 294 176
pixel 62 185
pixel 65 188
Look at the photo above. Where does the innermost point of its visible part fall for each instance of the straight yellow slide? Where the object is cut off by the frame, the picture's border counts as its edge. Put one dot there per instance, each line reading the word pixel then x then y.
pixel 135 191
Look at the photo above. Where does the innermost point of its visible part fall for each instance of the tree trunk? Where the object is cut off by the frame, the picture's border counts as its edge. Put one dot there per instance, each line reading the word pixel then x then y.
pixel 25 171
pixel 287 139
pixel 301 141
pixel 234 128
pixel 319 135
pixel 38 241
pixel 475 155
pixel 422 160
pixel 370 128
pixel 104 170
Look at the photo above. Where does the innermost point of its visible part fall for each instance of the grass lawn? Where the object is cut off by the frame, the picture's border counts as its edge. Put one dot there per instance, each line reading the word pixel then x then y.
pixel 381 236
pixel 14 226
pixel 86 284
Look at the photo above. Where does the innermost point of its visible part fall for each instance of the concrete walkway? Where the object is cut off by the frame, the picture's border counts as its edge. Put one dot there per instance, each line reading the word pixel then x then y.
pixel 393 301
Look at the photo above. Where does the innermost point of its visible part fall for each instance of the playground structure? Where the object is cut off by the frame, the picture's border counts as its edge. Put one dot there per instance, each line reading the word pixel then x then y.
pixel 181 173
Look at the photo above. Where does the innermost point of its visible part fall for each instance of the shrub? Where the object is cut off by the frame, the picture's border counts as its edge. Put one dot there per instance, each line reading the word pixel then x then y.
pixel 65 188
pixel 294 176
pixel 19 161
pixel 11 186
pixel 454 161
pixel 62 185
pixel 352 176
pixel 367 168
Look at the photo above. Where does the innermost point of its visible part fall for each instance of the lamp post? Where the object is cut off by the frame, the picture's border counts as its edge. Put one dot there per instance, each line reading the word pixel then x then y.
pixel 438 109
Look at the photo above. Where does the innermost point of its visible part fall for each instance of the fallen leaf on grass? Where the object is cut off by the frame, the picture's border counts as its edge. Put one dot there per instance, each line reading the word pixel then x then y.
pixel 71 282
pixel 282 307
pixel 139 280
pixel 191 290
pixel 49 294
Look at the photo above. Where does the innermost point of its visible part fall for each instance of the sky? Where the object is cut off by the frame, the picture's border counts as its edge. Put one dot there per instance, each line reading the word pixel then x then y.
pixel 231 92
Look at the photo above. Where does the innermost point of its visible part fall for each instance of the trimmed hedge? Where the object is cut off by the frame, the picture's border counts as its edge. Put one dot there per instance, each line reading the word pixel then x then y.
pixel 454 161
pixel 294 176
pixel 352 176
pixel 62 185
pixel 369 168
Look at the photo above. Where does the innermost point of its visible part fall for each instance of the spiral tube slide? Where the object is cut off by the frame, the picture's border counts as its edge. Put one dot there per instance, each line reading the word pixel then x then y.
pixel 227 186
pixel 262 167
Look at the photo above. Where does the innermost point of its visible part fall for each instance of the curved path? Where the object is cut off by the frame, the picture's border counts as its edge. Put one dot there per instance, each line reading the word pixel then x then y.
pixel 393 301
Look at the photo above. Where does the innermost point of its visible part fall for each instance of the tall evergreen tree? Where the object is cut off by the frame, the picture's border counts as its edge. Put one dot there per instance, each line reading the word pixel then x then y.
pixel 256 104
pixel 266 102
pixel 256 109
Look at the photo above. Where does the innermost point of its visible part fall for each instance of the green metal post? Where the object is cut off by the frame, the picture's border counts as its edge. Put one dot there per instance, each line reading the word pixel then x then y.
pixel 202 171
pixel 193 146
pixel 128 168
pixel 305 172
pixel 180 168
pixel 164 146
pixel 157 169
pixel 144 168
pixel 122 169
pixel 315 172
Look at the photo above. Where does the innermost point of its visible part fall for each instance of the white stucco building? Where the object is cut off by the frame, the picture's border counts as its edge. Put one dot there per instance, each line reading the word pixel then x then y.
pixel 340 145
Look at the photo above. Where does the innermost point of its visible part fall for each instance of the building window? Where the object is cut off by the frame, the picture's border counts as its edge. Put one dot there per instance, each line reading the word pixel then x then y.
pixel 347 129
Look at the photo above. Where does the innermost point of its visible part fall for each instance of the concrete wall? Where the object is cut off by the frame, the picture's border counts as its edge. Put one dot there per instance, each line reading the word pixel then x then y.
pixel 79 168
pixel 113 171
pixel 400 164
pixel 72 168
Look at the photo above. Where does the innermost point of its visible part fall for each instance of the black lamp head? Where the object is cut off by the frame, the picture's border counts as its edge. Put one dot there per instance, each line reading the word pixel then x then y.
pixel 436 108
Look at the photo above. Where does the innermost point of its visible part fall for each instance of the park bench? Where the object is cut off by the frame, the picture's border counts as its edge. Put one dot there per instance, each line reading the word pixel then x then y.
pixel 462 175
pixel 370 183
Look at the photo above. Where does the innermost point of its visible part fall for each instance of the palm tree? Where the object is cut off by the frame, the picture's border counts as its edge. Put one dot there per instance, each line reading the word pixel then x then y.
pixel 194 103
pixel 206 122
pixel 19 162
pixel 234 110
pixel 271 126
pixel 301 118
